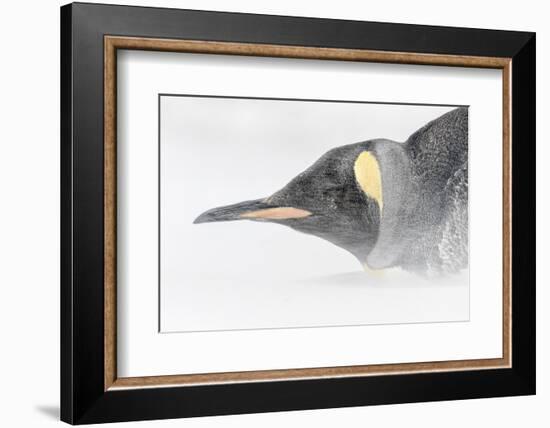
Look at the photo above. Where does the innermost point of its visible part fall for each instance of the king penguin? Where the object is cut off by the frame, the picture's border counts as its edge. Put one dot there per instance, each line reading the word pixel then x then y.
pixel 390 204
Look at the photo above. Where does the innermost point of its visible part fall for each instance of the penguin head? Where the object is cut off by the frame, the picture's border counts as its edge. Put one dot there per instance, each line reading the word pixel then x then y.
pixel 338 198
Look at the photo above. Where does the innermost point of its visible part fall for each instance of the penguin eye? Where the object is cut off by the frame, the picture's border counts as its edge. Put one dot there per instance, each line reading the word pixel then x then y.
pixel 333 188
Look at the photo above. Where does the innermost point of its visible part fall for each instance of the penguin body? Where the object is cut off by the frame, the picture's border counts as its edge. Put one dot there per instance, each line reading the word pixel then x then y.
pixel 389 204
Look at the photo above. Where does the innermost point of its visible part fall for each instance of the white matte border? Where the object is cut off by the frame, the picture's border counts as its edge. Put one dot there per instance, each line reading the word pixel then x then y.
pixel 142 351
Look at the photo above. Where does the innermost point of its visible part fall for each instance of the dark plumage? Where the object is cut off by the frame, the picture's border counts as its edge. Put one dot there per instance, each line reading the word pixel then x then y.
pixel 419 222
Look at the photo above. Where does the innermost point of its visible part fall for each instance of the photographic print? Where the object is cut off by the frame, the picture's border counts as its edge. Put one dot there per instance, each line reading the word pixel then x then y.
pixel 290 213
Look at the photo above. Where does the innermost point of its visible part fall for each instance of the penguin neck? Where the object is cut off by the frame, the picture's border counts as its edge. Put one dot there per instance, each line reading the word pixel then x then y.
pixel 397 185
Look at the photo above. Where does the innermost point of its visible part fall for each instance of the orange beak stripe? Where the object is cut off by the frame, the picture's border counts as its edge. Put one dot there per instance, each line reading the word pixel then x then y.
pixel 279 213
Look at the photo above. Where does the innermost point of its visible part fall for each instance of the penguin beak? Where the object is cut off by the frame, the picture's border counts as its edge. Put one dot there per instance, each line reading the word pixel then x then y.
pixel 257 209
pixel 231 212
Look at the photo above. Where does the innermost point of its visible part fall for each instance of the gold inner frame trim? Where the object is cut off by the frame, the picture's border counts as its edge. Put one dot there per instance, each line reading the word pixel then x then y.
pixel 113 43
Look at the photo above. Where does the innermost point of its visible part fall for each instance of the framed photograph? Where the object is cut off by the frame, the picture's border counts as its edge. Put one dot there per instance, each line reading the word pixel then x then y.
pixel 265 213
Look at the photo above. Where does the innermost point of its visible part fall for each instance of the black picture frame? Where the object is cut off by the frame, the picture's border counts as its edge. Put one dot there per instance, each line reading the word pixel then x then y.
pixel 83 396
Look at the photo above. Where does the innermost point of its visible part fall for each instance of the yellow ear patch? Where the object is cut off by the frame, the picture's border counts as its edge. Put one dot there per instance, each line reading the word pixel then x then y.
pixel 279 213
pixel 367 174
